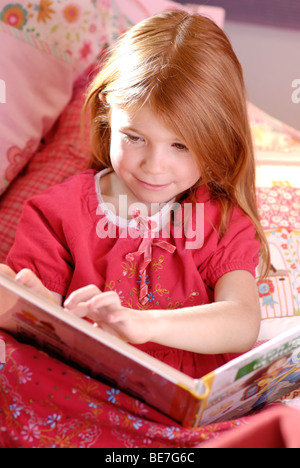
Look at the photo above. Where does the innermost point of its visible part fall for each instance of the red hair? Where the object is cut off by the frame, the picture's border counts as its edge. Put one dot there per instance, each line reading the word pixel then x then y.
pixel 184 66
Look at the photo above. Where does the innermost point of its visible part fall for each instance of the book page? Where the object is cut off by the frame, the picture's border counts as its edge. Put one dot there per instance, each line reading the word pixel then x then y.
pixel 259 377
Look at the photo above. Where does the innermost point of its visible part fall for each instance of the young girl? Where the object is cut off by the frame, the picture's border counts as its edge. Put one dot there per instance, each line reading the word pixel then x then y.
pixel 169 132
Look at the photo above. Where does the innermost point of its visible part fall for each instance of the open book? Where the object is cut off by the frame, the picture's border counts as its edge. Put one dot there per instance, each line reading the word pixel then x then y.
pixel 235 389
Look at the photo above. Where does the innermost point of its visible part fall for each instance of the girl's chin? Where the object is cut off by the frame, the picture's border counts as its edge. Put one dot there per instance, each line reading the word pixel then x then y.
pixel 137 191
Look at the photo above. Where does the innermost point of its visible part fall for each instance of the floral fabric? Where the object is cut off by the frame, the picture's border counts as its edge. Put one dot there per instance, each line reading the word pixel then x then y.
pixel 279 208
pixel 73 30
pixel 46 404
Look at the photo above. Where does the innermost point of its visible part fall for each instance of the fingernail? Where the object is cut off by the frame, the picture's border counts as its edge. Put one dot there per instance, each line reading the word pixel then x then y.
pixel 19 275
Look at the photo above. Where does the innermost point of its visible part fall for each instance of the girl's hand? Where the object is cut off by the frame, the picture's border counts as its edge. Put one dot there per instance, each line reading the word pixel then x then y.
pixel 6 270
pixel 31 281
pixel 105 309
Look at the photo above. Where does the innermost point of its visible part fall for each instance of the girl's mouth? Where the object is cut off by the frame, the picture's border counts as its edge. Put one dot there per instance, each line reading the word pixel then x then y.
pixel 153 187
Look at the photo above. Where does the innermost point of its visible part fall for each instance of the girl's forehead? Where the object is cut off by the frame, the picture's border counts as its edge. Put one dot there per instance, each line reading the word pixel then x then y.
pixel 143 119
pixel 131 116
pixel 125 117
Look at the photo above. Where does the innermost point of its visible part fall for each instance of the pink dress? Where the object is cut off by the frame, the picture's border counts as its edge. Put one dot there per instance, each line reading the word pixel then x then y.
pixel 70 238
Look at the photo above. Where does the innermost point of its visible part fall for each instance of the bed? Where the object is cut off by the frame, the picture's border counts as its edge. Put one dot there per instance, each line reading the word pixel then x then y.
pixel 57 46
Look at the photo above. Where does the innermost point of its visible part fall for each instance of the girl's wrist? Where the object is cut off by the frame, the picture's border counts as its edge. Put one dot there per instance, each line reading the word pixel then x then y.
pixel 157 325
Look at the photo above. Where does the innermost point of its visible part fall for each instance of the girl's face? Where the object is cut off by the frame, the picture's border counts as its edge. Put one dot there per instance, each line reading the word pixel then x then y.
pixel 152 164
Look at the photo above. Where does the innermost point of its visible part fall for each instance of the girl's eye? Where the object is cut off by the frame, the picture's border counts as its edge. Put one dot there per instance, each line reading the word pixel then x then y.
pixel 131 138
pixel 180 147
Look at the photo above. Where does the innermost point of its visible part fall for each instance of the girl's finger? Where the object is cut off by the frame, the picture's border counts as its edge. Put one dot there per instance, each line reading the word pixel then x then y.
pixel 7 270
pixel 102 306
pixel 80 310
pixel 31 281
pixel 81 295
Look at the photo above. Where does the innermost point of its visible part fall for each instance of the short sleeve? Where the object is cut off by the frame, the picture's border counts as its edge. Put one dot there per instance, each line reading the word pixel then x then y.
pixel 40 243
pixel 238 249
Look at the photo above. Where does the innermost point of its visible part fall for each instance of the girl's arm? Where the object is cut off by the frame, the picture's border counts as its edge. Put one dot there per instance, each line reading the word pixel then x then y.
pixel 230 324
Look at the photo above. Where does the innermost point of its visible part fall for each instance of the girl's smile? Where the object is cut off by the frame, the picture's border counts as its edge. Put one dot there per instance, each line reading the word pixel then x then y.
pixel 153 186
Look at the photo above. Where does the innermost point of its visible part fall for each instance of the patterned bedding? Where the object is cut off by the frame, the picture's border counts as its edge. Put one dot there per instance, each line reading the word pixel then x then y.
pixel 277 147
pixel 43 402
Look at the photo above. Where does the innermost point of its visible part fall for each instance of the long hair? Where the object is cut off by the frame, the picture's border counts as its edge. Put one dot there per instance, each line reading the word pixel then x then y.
pixel 184 67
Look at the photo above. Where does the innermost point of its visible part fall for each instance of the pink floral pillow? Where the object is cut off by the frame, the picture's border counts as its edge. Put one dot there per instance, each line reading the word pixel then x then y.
pixel 74 30
pixel 48 44
pixel 38 86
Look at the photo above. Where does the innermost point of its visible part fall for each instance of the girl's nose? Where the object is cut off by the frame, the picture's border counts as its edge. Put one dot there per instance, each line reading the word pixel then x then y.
pixel 155 161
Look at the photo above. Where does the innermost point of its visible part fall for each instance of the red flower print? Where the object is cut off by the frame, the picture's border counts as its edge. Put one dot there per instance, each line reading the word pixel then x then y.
pixel 85 50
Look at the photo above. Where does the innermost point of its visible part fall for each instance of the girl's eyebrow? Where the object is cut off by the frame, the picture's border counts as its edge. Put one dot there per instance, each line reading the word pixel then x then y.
pixel 129 129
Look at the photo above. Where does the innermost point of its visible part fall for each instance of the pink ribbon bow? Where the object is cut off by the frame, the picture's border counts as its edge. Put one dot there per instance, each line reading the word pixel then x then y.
pixel 145 248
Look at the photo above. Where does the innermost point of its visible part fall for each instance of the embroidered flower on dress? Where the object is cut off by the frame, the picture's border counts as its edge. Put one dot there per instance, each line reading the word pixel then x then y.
pixel 147 280
pixel 151 297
